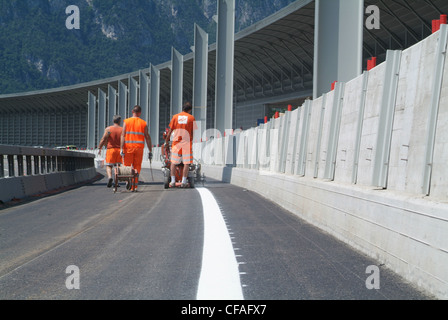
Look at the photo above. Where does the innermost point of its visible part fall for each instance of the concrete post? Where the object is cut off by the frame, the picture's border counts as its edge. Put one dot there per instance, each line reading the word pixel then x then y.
pixel 144 95
pixel 101 115
pixel 200 76
pixel 225 65
pixel 112 103
pixel 122 100
pixel 177 79
pixel 133 95
pixel 91 121
pixel 154 114
pixel 338 42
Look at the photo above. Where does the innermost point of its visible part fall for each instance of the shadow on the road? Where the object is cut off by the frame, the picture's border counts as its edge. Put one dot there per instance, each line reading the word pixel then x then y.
pixel 17 202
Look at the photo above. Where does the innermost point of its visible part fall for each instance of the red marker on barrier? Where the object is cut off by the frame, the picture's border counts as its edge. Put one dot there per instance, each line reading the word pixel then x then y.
pixel 435 25
pixel 265 119
pixel 371 63
pixel 443 19
pixel 277 115
pixel 289 107
pixel 333 85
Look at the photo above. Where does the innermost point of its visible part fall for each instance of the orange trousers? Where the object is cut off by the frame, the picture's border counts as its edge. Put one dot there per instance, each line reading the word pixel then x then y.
pixel 134 157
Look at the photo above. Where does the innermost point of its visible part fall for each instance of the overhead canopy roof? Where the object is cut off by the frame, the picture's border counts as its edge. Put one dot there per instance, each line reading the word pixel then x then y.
pixel 273 58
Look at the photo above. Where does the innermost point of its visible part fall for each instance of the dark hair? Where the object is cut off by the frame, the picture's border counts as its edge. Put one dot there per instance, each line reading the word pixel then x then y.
pixel 187 107
pixel 117 119
pixel 137 109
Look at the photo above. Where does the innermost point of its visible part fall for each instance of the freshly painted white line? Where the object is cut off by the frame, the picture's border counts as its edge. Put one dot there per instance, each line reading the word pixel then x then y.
pixel 220 277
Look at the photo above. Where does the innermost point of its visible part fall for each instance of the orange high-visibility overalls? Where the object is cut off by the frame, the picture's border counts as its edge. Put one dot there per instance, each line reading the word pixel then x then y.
pixel 134 144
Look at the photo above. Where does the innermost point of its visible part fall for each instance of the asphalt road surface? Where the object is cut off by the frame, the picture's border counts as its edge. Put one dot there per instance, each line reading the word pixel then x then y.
pixel 215 242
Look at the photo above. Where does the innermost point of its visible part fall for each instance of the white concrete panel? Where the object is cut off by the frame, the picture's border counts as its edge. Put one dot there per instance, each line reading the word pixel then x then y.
pixel 422 107
pixel 313 147
pixel 326 125
pixel 347 136
pixel 274 138
pixel 240 141
pixel 302 137
pixel 370 125
pixel 283 139
pixel 292 140
pixel 252 148
pixel 405 233
pixel 219 151
pixel 262 146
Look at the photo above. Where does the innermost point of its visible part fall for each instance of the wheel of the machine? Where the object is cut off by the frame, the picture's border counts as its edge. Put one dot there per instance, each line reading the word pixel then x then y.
pixel 166 181
pixel 115 179
pixel 191 182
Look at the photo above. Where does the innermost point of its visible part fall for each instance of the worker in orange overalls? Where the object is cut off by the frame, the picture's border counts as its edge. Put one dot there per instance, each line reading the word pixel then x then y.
pixel 182 125
pixel 111 139
pixel 135 133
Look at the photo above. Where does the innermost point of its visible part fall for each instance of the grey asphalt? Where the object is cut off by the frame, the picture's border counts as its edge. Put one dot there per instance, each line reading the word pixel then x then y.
pixel 148 246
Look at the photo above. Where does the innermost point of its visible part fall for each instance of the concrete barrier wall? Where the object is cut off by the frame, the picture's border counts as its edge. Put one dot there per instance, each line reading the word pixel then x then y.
pixel 404 232
pixel 63 169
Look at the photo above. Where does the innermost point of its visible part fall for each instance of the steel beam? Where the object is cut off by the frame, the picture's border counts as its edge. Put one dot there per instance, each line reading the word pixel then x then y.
pixel 144 95
pixel 112 104
pixel 225 53
pixel 122 100
pixel 101 114
pixel 154 110
pixel 177 79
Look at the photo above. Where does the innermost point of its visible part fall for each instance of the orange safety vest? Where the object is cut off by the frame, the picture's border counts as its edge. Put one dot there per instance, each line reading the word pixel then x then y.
pixel 135 133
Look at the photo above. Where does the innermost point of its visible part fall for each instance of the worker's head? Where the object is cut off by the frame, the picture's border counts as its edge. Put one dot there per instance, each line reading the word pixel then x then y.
pixel 137 111
pixel 117 119
pixel 187 107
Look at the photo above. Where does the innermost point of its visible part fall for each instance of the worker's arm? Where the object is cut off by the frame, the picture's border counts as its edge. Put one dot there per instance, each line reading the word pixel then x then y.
pixel 148 139
pixel 168 136
pixel 148 143
pixel 103 141
pixel 123 135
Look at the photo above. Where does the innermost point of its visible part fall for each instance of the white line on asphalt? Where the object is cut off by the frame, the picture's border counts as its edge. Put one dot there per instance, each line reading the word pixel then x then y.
pixel 220 277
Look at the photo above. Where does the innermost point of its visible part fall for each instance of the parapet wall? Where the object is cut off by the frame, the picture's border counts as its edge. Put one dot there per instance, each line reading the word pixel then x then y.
pixel 31 171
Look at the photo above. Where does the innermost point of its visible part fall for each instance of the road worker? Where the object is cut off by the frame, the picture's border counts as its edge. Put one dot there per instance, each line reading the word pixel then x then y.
pixel 135 133
pixel 181 126
pixel 111 139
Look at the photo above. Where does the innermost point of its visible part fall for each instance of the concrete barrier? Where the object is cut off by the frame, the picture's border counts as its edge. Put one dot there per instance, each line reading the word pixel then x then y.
pixel 38 170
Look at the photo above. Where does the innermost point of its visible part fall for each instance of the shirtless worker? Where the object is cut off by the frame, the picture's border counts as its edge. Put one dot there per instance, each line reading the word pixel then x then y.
pixel 135 133
pixel 182 125
pixel 111 138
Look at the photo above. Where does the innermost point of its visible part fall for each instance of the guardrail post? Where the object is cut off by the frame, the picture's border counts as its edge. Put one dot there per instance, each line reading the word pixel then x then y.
pixel 42 165
pixel 11 171
pixel 36 164
pixel 2 166
pixel 54 167
pixel 20 165
pixel 29 171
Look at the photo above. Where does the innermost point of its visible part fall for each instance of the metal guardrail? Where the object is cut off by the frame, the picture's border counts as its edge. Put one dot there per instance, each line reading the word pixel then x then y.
pixel 17 161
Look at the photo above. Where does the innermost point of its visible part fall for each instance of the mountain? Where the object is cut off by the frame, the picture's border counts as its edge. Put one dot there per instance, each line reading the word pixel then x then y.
pixel 38 51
